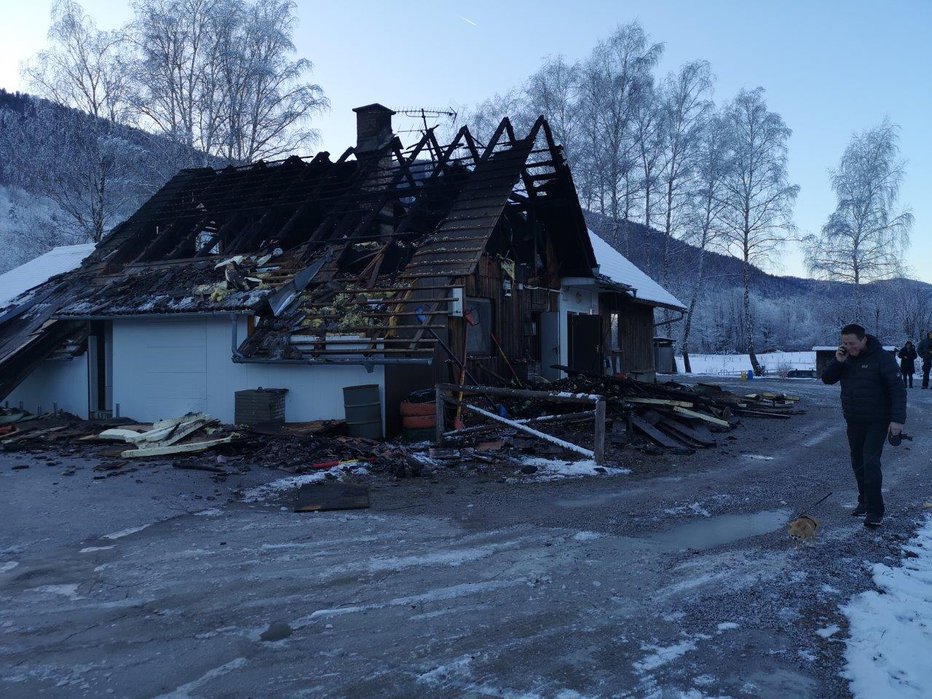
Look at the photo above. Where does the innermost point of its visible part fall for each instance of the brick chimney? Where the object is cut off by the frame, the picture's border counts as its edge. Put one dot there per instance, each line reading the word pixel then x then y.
pixel 373 127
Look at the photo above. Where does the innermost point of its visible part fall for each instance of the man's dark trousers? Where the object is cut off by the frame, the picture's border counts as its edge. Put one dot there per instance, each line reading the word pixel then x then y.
pixel 926 367
pixel 866 441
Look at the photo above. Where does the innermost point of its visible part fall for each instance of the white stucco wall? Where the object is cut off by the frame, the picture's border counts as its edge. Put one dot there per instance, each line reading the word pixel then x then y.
pixel 574 299
pixel 61 382
pixel 165 368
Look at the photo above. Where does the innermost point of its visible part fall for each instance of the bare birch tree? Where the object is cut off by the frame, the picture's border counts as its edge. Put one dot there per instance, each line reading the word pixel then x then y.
pixel 866 236
pixel 219 75
pixel 614 82
pixel 648 129
pixel 83 67
pixel 713 163
pixel 554 92
pixel 266 105
pixel 759 200
pixel 686 103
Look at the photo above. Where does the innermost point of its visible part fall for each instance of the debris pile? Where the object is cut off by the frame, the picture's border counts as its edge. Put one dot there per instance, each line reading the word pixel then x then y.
pixel 194 432
pixel 526 427
pixel 669 417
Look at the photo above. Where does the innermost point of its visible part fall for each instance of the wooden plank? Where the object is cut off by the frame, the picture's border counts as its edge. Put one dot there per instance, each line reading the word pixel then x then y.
pixel 688 432
pixel 760 413
pixel 175 448
pixel 701 416
pixel 317 497
pixel 20 436
pixel 656 435
pixel 117 434
pixel 660 401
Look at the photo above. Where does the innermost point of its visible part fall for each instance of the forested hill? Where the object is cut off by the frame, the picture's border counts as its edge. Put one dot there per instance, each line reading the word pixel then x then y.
pixel 67 177
pixel 792 313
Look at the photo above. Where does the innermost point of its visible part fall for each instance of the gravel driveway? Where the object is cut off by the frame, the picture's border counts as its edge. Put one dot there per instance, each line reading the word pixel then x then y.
pixel 676 579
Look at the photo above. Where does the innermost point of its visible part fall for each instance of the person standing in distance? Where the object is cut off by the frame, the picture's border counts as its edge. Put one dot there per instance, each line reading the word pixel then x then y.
pixel 907 357
pixel 873 400
pixel 925 354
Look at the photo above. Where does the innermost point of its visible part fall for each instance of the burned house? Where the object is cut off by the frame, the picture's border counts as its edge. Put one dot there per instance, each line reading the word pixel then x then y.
pixel 385 266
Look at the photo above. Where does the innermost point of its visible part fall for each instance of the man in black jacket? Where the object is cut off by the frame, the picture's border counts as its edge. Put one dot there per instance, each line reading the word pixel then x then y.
pixel 873 400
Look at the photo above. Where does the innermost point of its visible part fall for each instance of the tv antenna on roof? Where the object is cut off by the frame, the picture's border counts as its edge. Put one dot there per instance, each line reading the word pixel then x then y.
pixel 422 114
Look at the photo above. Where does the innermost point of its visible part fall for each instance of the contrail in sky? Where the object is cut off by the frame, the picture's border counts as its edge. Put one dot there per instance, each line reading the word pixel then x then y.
pixel 468 21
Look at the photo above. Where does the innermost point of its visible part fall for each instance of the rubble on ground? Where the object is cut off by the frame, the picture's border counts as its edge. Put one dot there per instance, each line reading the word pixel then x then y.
pixel 640 418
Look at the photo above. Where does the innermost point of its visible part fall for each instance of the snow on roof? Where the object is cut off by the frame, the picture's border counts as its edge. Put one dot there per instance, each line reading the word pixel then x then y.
pixel 26 276
pixel 621 270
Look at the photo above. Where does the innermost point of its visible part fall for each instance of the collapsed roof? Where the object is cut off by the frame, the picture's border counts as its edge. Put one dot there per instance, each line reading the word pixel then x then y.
pixel 369 246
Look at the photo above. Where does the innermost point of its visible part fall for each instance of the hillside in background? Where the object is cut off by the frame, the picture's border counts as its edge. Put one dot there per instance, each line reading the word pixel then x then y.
pixel 792 313
pixel 67 177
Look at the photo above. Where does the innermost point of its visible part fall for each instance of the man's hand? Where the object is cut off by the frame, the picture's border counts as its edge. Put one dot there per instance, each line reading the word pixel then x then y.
pixel 895 428
pixel 841 354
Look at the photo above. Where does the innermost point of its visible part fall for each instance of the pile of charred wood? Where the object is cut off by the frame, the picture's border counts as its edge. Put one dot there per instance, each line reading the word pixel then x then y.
pixel 671 417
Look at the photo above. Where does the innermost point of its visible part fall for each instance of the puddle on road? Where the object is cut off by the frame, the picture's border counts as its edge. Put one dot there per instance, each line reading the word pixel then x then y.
pixel 724 529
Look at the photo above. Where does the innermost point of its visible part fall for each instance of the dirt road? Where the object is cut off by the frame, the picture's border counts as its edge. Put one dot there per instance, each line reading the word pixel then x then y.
pixel 677 579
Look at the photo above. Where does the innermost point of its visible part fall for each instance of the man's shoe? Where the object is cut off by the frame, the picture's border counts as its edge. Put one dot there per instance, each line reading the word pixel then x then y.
pixel 859 511
pixel 873 521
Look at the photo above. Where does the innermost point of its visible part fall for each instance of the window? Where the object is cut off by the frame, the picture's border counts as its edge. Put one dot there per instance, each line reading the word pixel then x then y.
pixel 479 336
pixel 616 340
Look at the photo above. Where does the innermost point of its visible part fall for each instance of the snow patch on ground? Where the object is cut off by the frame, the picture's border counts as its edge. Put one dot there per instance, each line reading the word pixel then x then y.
pixel 283 485
pixel 889 632
pixel 828 631
pixel 184 691
pixel 694 508
pixel 69 591
pixel 728 626
pixel 212 512
pixel 587 536
pixel 92 549
pixel 662 655
pixel 9 565
pixel 555 469
pixel 436 595
pixel 126 532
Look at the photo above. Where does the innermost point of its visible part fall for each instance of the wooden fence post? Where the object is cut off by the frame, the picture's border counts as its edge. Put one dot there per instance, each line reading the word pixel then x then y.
pixel 599 446
pixel 439 409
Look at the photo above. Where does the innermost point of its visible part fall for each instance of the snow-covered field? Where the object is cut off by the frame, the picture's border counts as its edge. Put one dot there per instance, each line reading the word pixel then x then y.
pixel 774 363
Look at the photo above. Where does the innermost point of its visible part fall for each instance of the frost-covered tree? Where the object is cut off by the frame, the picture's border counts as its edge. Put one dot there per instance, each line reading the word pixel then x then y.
pixel 485 117
pixel 553 90
pixel 648 131
pixel 219 75
pixel 90 186
pixel 867 235
pixel 758 197
pixel 686 105
pixel 83 67
pixel 707 205
pixel 267 104
pixel 614 83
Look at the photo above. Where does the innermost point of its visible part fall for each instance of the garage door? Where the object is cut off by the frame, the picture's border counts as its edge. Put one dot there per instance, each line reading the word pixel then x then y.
pixel 159 368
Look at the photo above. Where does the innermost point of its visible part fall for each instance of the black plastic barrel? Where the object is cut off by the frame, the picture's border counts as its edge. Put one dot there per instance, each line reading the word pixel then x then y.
pixel 363 411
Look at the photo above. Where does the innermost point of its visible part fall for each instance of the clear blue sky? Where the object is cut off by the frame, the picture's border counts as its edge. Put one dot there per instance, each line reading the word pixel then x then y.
pixel 829 68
